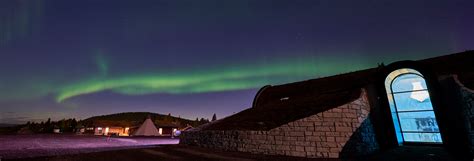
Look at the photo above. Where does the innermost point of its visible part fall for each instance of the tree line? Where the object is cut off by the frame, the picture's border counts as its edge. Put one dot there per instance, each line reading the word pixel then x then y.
pixel 65 125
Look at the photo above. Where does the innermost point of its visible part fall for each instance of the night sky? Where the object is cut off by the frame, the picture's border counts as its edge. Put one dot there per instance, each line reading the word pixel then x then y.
pixel 64 58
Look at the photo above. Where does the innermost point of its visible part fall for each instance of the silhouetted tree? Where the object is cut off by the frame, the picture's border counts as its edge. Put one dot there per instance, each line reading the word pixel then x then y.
pixel 47 126
pixel 48 122
pixel 62 124
pixel 203 121
pixel 73 123
pixel 214 118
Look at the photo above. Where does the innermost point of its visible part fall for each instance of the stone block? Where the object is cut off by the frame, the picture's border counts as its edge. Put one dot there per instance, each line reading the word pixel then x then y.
pixel 322 149
pixel 309 149
pixel 333 155
pixel 300 138
pixel 349 115
pixel 278 142
pixel 332 119
pixel 312 138
pixel 322 129
pixel 337 110
pixel 311 154
pixel 300 128
pixel 318 123
pixel 290 138
pixel 344 129
pixel 330 139
pixel 296 133
pixel 298 153
pixel 341 139
pixel 279 137
pixel 331 115
pixel 282 147
pixel 332 144
pixel 300 148
pixel 306 124
pixel 332 134
pixel 327 124
pixel 317 133
pixel 335 150
pixel 270 137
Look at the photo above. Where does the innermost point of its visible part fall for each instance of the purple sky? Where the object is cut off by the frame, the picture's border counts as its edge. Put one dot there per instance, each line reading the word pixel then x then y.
pixel 64 59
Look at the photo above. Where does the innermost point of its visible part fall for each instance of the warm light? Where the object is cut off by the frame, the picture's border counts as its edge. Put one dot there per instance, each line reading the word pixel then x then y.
pixel 106 130
pixel 160 131
pixel 419 95
pixel 126 131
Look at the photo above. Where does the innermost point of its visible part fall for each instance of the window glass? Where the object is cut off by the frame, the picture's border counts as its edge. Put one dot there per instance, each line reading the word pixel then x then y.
pixel 418 121
pixel 408 82
pixel 410 104
pixel 422 137
pixel 410 101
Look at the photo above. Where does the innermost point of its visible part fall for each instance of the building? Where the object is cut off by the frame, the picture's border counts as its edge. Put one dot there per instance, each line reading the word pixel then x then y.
pixel 112 128
pixel 427 102
pixel 167 129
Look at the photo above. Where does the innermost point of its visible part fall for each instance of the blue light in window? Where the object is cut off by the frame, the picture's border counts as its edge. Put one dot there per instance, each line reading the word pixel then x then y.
pixel 412 111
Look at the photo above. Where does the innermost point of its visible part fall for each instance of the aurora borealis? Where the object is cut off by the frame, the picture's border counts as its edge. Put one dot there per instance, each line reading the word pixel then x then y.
pixel 64 59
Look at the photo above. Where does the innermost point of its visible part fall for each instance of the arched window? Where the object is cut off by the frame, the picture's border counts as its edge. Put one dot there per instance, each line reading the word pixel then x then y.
pixel 411 108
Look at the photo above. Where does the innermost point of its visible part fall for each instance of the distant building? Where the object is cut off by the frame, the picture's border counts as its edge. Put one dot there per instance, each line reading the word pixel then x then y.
pixel 428 102
pixel 57 130
pixel 110 130
pixel 106 128
pixel 167 129
pixel 147 128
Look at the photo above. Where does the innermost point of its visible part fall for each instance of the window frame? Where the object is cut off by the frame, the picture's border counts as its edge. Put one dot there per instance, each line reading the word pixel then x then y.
pixel 393 101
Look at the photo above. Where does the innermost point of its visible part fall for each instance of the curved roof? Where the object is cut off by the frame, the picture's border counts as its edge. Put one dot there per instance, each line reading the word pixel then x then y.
pixel 281 104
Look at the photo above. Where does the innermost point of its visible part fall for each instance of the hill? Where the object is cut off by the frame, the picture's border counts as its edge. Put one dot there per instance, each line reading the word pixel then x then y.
pixel 132 119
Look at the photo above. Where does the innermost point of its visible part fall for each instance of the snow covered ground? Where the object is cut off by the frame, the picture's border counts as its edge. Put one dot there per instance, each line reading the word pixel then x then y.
pixel 25 146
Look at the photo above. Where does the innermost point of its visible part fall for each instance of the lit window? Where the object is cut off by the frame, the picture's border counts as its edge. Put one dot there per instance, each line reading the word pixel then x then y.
pixel 410 104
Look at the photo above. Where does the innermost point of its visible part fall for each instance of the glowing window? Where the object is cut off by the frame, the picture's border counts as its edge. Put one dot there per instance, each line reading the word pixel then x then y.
pixel 411 108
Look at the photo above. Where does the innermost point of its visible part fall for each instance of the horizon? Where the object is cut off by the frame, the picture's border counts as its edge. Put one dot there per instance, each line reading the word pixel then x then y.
pixel 193 59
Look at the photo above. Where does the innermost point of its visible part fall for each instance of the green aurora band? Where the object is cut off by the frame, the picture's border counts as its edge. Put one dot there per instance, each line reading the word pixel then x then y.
pixel 209 80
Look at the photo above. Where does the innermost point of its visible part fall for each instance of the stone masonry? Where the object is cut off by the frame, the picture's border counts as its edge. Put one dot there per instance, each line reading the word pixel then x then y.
pixel 468 109
pixel 323 135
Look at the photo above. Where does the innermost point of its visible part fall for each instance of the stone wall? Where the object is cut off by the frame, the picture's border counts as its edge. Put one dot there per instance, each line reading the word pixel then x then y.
pixel 468 98
pixel 323 135
pixel 468 110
